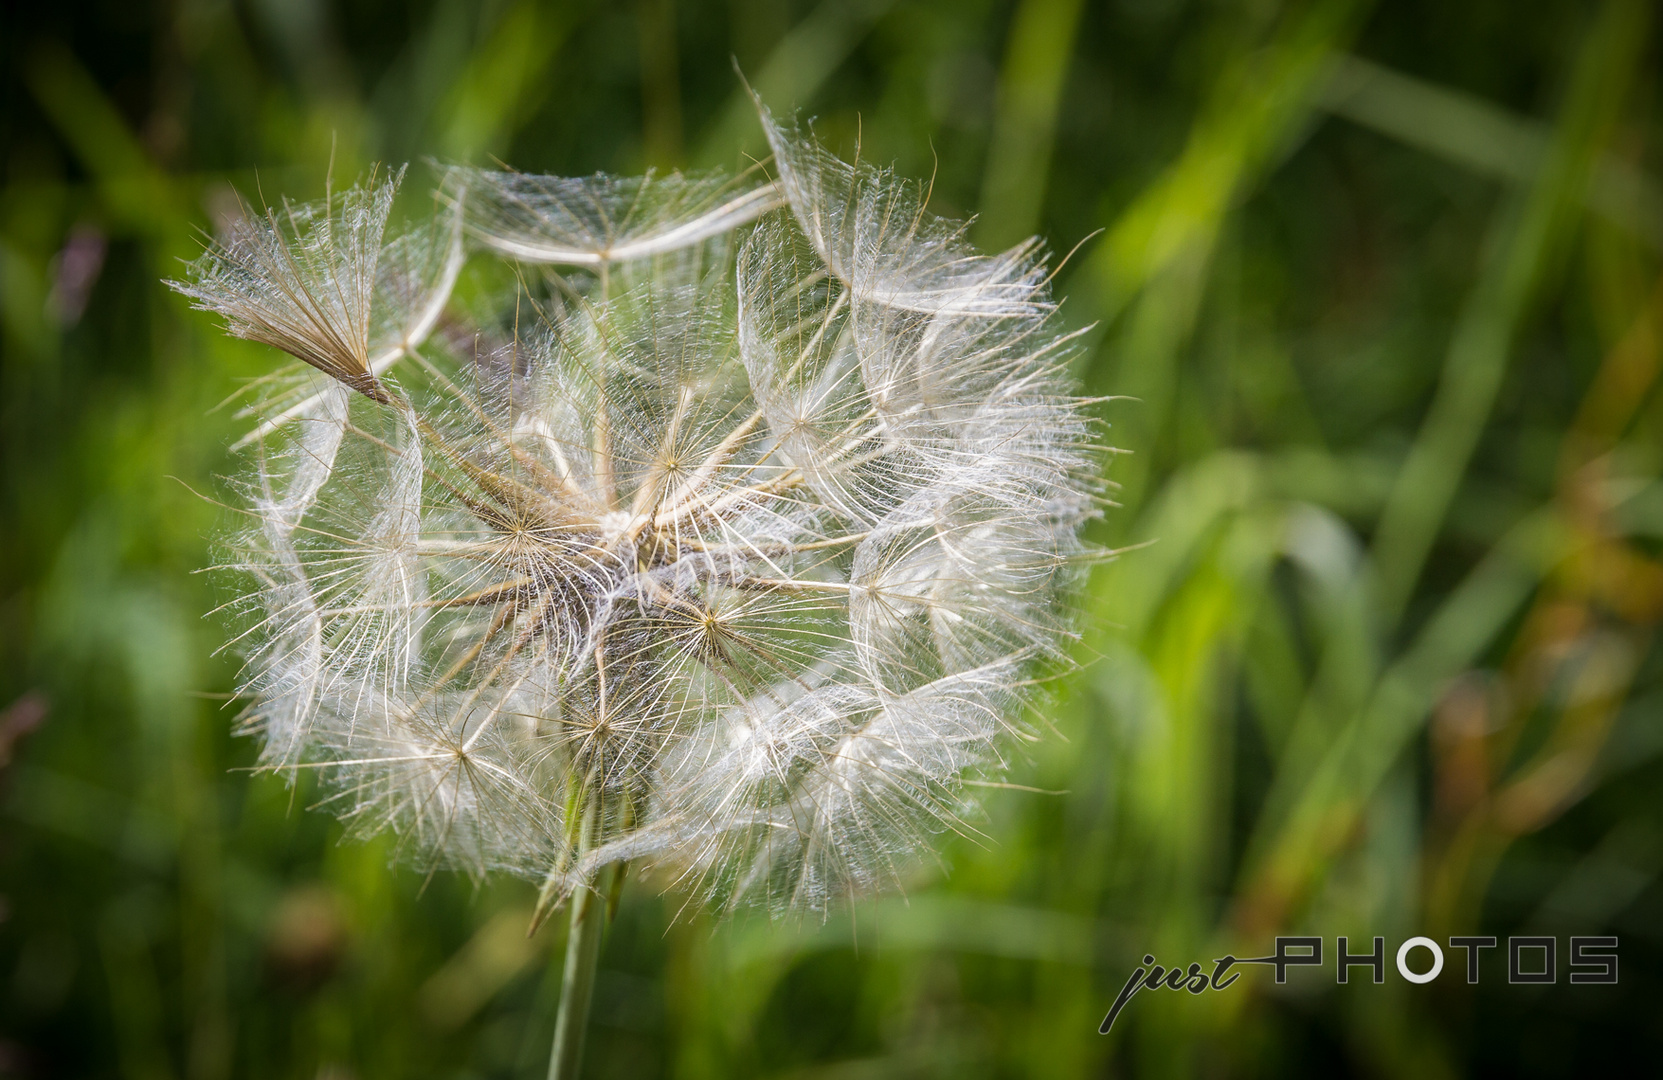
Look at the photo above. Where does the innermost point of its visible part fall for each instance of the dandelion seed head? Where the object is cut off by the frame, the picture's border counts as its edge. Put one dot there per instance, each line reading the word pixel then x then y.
pixel 725 539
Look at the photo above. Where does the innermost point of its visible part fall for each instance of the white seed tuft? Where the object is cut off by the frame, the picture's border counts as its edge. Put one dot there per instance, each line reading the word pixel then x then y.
pixel 731 546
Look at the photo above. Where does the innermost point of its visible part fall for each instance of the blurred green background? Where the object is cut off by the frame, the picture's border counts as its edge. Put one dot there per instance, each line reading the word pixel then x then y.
pixel 1384 283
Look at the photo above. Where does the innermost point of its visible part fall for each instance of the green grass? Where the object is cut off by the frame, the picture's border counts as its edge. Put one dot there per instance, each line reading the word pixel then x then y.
pixel 1378 316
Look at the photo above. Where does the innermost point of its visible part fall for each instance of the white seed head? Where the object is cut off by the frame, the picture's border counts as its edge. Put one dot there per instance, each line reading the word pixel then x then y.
pixel 724 532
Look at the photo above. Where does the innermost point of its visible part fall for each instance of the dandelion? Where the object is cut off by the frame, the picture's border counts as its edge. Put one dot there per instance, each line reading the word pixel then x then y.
pixel 717 528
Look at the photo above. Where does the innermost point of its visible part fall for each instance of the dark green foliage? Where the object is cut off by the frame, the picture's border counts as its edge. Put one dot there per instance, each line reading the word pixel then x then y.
pixel 1385 283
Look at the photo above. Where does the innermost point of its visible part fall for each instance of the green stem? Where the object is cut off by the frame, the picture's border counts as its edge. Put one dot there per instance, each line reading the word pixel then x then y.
pixel 583 949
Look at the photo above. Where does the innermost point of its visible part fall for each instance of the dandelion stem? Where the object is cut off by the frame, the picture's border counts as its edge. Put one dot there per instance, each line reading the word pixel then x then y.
pixel 577 988
pixel 590 912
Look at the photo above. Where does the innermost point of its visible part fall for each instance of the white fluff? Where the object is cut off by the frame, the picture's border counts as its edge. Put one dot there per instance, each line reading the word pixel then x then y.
pixel 730 546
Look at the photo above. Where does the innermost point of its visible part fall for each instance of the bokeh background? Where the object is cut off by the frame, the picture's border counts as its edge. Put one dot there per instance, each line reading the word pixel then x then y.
pixel 1376 293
